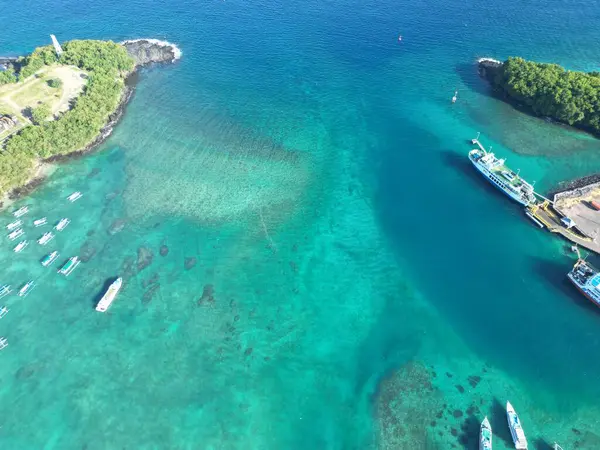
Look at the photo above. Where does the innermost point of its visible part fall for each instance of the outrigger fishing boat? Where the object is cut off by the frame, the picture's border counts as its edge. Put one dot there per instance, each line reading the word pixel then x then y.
pixel 3 311
pixel 39 222
pixel 3 343
pixel 26 289
pixel 21 211
pixel 62 224
pixel 69 266
pixel 74 196
pixel 4 290
pixel 20 246
pixel 49 258
pixel 16 234
pixel 46 237
pixel 11 226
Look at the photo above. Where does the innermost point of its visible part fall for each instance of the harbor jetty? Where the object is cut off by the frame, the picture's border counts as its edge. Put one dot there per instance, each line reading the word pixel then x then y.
pixel 573 213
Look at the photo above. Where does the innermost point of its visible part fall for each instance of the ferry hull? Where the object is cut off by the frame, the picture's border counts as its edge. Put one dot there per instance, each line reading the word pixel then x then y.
pixel 487 177
pixel 583 292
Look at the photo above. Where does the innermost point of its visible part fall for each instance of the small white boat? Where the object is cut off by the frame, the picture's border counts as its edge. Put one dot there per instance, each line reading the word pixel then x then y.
pixel 4 290
pixel 516 430
pixel 69 266
pixel 46 237
pixel 49 258
pixel 110 295
pixel 21 211
pixel 62 224
pixel 11 226
pixel 26 289
pixel 20 246
pixel 485 435
pixel 75 196
pixel 557 447
pixel 3 343
pixel 16 234
pixel 3 311
pixel 39 222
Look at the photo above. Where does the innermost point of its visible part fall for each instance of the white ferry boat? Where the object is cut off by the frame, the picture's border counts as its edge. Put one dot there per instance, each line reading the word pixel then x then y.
pixel 26 289
pixel 110 295
pixel 46 237
pixel 3 311
pixel 74 196
pixel 62 224
pixel 3 343
pixel 4 290
pixel 21 211
pixel 20 246
pixel 49 258
pixel 39 222
pixel 516 431
pixel 485 435
pixel 502 177
pixel 586 279
pixel 16 234
pixel 11 226
pixel 69 266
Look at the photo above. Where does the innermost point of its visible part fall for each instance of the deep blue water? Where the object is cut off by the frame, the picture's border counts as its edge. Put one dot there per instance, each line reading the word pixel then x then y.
pixel 370 290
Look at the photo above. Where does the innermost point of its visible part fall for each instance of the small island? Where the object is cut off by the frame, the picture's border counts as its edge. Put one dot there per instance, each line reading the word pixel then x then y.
pixel 64 100
pixel 547 90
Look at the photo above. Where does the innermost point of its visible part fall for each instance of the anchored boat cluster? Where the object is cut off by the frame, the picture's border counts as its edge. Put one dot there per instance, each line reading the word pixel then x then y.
pixel 554 215
pixel 16 231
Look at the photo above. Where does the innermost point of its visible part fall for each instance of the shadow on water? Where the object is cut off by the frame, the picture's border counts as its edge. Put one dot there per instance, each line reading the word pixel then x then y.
pixel 100 293
pixel 555 275
pixel 468 74
pixel 499 423
pixel 540 444
pixel 469 433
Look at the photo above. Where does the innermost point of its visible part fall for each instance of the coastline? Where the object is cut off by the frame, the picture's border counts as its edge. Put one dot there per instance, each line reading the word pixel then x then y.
pixel 144 52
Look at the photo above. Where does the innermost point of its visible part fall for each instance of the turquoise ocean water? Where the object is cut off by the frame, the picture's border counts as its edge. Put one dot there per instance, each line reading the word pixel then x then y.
pixel 309 259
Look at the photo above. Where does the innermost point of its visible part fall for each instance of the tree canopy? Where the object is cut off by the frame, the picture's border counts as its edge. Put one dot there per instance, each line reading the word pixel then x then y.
pixel 107 64
pixel 40 113
pixel 550 90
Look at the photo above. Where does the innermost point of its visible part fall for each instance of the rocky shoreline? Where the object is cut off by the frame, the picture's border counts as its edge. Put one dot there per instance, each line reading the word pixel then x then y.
pixel 144 52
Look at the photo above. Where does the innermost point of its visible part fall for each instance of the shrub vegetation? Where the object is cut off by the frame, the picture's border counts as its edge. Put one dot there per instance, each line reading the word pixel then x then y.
pixel 107 65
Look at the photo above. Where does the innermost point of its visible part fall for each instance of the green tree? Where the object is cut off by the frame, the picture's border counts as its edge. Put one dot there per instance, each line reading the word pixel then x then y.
pixel 40 113
pixel 55 83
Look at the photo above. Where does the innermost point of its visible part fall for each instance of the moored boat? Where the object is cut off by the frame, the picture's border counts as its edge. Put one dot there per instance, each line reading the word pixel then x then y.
pixel 516 430
pixel 557 447
pixel 69 266
pixel 62 224
pixel 110 295
pixel 39 222
pixel 15 224
pixel 3 311
pixel 74 196
pixel 586 279
pixel 46 237
pixel 20 246
pixel 4 290
pixel 485 435
pixel 49 258
pixel 21 211
pixel 16 234
pixel 26 289
pixel 502 177
pixel 3 343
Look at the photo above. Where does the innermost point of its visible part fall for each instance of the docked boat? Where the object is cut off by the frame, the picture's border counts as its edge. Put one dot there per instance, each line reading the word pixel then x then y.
pixel 586 279
pixel 516 430
pixel 3 311
pixel 3 343
pixel 4 290
pixel 26 289
pixel 69 266
pixel 20 246
pixel 502 177
pixel 39 222
pixel 46 237
pixel 16 234
pixel 21 211
pixel 49 258
pixel 62 224
pixel 16 224
pixel 110 295
pixel 485 435
pixel 74 196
